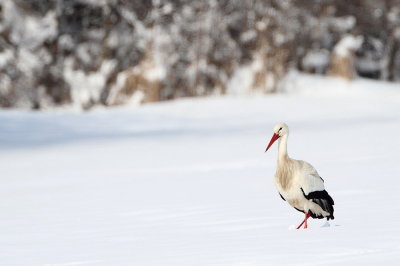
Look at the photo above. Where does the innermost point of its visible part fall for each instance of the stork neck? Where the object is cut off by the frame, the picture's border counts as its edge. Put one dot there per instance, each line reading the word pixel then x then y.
pixel 282 151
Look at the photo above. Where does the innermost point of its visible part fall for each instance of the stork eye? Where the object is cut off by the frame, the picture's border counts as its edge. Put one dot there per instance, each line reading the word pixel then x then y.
pixel 280 129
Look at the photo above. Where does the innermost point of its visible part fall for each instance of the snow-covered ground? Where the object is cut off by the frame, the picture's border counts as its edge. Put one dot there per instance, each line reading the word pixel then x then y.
pixel 188 182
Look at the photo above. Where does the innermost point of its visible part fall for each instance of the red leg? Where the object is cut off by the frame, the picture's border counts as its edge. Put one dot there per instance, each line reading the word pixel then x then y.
pixel 304 221
pixel 298 227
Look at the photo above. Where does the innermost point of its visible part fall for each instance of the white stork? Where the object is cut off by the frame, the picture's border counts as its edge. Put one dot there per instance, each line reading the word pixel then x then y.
pixel 298 182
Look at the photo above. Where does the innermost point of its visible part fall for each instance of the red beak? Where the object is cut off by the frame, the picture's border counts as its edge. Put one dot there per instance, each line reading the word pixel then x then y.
pixel 273 139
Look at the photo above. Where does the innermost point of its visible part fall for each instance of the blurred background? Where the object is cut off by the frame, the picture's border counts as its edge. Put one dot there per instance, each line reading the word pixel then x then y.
pixel 86 53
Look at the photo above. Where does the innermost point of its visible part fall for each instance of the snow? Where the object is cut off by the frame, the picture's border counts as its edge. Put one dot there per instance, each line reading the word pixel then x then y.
pixel 248 36
pixel 30 31
pixel 368 65
pixel 344 24
pixel 318 60
pixel 242 79
pixel 87 86
pixel 188 183
pixel 347 44
pixel 5 57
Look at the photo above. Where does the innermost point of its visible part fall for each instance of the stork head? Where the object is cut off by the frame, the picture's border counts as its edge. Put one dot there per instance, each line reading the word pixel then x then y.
pixel 280 130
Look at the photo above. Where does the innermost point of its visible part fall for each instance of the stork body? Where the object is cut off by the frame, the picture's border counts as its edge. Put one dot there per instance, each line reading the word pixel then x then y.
pixel 299 183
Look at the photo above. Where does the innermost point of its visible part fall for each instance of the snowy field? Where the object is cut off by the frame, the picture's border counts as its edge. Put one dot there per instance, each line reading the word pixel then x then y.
pixel 188 183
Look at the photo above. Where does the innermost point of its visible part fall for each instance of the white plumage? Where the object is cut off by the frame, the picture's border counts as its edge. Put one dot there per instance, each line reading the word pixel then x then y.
pixel 299 183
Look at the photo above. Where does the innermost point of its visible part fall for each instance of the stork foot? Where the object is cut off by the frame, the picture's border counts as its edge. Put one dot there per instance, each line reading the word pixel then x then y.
pixel 304 221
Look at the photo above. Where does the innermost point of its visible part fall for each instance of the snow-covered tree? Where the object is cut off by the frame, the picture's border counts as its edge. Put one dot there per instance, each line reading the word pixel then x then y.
pixel 109 52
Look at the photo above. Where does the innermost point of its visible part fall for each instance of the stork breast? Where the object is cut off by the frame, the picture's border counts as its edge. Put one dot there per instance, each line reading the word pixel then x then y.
pixel 284 174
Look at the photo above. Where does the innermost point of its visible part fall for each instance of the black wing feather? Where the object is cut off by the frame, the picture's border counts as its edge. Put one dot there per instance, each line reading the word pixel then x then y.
pixel 324 200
